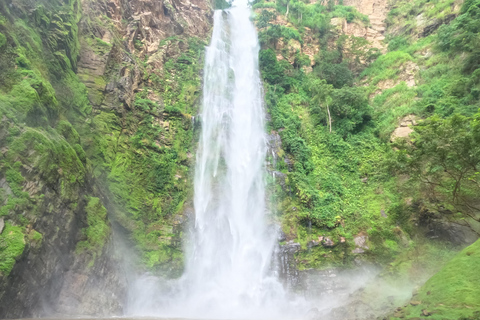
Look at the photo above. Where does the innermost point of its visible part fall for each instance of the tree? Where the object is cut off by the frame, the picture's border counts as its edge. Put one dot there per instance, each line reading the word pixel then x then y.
pixel 322 96
pixel 350 110
pixel 264 19
pixel 445 157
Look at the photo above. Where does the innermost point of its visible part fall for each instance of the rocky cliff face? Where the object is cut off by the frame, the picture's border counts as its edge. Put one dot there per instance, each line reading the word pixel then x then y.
pixel 141 26
pixel 377 11
pixel 105 88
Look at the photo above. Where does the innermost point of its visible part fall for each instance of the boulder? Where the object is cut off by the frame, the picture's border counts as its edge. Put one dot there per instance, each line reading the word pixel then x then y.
pixel 358 250
pixel 383 214
pixel 360 243
pixel 312 244
pixel 281 236
pixel 405 127
pixel 328 243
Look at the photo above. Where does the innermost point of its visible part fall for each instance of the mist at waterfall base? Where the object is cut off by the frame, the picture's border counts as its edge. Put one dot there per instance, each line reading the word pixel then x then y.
pixel 228 271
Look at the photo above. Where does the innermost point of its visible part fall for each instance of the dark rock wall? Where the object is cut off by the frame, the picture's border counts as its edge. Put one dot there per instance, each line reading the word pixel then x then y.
pixel 39 274
pixel 113 46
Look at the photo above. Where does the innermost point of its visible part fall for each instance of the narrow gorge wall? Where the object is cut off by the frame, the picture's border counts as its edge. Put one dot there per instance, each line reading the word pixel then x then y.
pixel 97 100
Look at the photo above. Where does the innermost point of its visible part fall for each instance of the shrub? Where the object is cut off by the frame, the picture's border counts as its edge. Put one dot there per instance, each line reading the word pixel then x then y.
pixel 12 244
pixel 3 40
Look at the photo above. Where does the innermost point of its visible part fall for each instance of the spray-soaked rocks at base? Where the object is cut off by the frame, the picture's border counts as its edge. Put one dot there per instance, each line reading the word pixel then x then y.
pixel 69 267
pixel 357 294
pixel 96 290
pixel 451 293
pixel 339 294
pixel 295 261
pixel 287 266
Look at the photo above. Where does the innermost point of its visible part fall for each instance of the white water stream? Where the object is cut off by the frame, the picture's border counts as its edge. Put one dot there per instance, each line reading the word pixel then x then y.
pixel 229 270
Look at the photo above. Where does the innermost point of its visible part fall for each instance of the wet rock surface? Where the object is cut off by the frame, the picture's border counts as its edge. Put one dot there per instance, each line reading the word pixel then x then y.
pixel 96 291
pixel 287 266
pixel 327 242
pixel 455 232
pixel 50 277
pixel 360 241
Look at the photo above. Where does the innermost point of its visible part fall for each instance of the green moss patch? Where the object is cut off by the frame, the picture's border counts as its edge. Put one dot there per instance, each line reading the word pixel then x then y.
pixel 3 40
pixel 12 244
pixel 452 293
pixel 97 231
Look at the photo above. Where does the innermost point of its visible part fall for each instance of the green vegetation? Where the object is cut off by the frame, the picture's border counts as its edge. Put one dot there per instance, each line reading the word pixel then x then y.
pixel 3 40
pixel 12 243
pixel 314 16
pixel 327 132
pixel 36 50
pixel 97 231
pixel 333 99
pixel 145 156
pixel 336 121
pixel 453 292
pixel 444 162
pixel 58 146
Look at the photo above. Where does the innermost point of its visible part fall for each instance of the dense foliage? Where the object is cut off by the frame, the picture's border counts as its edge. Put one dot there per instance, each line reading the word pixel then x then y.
pixel 66 146
pixel 344 172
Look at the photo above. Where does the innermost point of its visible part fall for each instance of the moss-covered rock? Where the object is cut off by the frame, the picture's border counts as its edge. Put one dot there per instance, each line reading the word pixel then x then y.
pixel 12 244
pixel 97 231
pixel 113 133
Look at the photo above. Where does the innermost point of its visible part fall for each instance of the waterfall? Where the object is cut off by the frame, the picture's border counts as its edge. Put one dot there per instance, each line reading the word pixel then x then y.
pixel 232 248
pixel 228 270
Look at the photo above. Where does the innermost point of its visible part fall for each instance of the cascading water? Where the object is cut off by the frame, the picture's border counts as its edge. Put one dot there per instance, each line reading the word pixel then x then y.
pixel 228 269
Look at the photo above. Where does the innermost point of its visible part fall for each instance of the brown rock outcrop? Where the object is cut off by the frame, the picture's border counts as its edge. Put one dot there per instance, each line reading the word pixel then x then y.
pixel 136 28
pixel 376 10
pixel 405 127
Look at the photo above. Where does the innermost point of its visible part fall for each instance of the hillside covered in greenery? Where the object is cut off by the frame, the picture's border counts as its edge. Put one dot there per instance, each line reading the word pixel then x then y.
pixel 337 112
pixel 376 114
pixel 380 143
